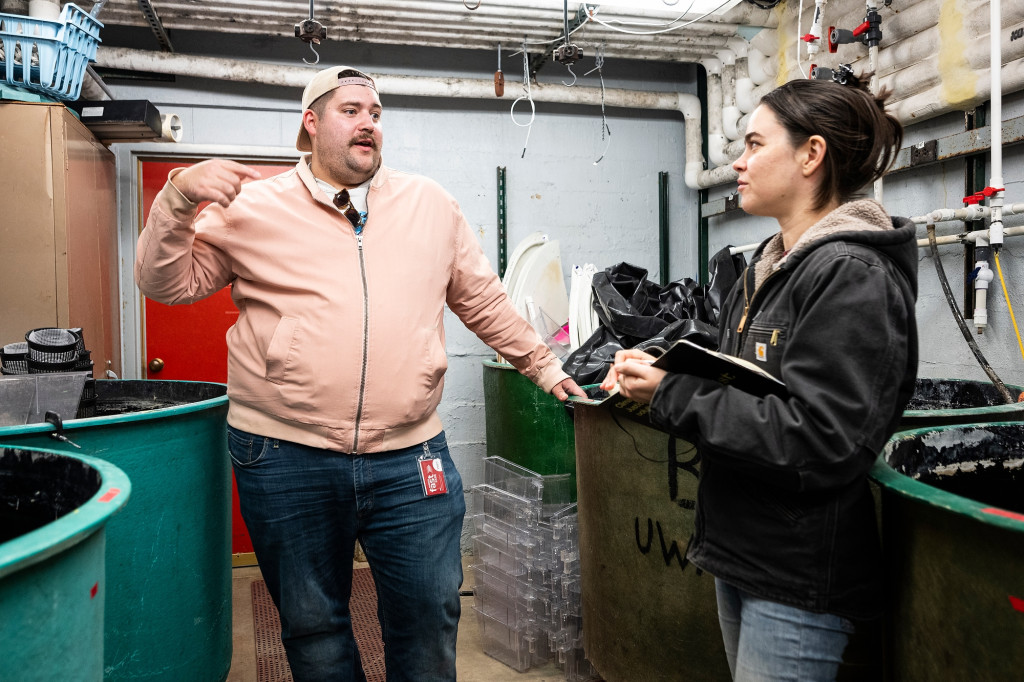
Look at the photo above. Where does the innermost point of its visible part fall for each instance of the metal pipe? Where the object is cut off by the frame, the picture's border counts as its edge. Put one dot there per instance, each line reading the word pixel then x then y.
pixel 419 86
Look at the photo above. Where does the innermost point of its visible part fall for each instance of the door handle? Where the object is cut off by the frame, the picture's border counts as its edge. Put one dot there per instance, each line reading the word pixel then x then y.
pixel 155 365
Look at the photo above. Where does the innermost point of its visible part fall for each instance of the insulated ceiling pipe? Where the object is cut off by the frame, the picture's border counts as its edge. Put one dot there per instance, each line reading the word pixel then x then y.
pixel 934 101
pixel 716 135
pixel 760 67
pixel 923 40
pixel 730 112
pixel 960 77
pixel 744 84
pixel 695 176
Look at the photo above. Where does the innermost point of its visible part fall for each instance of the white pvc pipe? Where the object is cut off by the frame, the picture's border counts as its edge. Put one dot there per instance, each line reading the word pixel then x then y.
pixel 922 243
pixel 744 87
pixel 48 10
pixel 716 135
pixel 760 67
pixel 970 236
pixel 995 67
pixel 730 112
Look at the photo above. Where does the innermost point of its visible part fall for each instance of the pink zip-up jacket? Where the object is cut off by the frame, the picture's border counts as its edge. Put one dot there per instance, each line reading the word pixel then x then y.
pixel 339 342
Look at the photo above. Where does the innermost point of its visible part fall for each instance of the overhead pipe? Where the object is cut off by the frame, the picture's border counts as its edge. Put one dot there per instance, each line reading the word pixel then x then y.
pixel 420 86
pixel 920 40
pixel 730 112
pixel 716 134
pixel 934 101
pixel 918 77
pixel 762 68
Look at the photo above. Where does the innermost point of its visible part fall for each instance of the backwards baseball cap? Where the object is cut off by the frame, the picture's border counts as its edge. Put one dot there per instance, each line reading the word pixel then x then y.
pixel 323 82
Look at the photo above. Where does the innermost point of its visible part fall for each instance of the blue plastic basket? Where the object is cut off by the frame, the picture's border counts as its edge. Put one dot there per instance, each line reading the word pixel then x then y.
pixel 79 30
pixel 48 56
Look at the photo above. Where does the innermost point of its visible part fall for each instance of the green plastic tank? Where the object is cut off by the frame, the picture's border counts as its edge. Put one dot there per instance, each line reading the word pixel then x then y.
pixel 647 614
pixel 527 426
pixel 168 606
pixel 942 402
pixel 54 509
pixel 953 538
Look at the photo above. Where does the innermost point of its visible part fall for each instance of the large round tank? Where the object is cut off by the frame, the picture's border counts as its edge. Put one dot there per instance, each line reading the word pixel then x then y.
pixel 168 606
pixel 939 402
pixel 953 536
pixel 53 511
pixel 527 426
pixel 647 614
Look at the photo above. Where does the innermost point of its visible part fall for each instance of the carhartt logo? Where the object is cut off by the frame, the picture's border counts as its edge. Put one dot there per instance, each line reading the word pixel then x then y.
pixel 761 351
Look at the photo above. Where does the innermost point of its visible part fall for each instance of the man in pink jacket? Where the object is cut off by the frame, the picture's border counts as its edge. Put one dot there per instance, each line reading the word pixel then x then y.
pixel 341 269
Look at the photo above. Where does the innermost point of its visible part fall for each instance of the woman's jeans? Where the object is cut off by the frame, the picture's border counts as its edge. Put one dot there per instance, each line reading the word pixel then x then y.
pixel 766 641
pixel 305 508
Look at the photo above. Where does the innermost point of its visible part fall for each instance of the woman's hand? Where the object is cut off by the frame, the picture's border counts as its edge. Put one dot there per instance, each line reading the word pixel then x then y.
pixel 633 372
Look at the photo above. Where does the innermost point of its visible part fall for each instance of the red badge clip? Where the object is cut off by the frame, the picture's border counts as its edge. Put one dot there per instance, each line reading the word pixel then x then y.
pixel 432 477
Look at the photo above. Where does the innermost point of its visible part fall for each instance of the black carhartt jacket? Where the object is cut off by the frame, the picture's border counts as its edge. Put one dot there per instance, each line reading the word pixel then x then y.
pixel 784 510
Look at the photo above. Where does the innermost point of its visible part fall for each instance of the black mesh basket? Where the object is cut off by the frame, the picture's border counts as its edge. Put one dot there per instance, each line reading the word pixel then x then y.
pixel 14 358
pixel 51 350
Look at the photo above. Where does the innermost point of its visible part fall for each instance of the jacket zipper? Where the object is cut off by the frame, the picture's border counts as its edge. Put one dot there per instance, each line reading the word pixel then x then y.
pixel 366 337
pixel 748 302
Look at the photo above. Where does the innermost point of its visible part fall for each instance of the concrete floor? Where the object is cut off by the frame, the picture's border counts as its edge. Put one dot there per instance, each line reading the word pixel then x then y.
pixel 473 665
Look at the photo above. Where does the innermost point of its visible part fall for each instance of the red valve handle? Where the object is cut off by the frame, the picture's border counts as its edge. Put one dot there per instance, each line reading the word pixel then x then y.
pixel 862 28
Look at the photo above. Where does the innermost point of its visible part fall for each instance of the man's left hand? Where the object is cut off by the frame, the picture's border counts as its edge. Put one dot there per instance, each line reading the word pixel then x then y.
pixel 566 388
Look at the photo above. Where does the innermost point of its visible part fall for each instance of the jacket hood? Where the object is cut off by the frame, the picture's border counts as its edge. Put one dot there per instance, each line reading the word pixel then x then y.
pixel 863 221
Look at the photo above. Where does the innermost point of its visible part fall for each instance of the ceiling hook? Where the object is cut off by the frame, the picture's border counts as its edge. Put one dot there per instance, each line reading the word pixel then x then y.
pixel 474 6
pixel 569 85
pixel 315 62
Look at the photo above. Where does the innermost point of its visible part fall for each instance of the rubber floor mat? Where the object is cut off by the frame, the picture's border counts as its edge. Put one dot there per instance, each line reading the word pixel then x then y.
pixel 271 661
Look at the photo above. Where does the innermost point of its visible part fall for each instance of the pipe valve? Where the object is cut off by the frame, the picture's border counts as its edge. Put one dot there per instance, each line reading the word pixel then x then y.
pixel 840 75
pixel 869 32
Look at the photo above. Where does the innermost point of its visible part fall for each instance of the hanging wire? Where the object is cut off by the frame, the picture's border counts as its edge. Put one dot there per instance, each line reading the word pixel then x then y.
pixel 652 24
pixel 999 269
pixel 464 2
pixel 959 317
pixel 528 97
pixel 604 120
pixel 664 30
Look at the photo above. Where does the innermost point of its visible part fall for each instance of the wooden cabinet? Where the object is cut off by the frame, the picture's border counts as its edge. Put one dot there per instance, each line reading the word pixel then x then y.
pixel 58 230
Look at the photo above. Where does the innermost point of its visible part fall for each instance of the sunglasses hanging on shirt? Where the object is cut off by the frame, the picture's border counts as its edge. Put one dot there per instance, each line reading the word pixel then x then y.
pixel 344 204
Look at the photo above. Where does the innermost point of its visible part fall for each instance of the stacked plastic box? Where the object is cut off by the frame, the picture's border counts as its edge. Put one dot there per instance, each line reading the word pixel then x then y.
pixel 527 594
pixel 49 57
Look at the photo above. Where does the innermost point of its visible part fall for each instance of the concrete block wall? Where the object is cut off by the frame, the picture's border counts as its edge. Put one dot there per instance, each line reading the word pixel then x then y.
pixel 602 214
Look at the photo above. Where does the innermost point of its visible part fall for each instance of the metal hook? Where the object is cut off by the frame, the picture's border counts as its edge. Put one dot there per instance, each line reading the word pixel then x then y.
pixel 474 6
pixel 569 85
pixel 314 52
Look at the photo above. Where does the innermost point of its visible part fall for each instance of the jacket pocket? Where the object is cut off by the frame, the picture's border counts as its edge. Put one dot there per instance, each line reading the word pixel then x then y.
pixel 246 449
pixel 280 350
pixel 765 345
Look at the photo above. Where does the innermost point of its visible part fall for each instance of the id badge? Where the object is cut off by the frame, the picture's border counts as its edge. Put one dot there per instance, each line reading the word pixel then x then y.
pixel 432 476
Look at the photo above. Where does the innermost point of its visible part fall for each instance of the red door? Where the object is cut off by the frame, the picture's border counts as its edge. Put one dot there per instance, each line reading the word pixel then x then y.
pixel 187 342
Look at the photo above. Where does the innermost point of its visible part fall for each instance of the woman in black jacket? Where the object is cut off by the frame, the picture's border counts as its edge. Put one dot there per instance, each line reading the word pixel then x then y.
pixel 785 519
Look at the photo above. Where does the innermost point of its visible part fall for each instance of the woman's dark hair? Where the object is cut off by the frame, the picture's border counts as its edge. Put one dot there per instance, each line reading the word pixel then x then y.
pixel 862 140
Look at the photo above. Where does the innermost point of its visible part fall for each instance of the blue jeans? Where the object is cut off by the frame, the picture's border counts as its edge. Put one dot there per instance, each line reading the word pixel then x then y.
pixel 766 641
pixel 305 507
